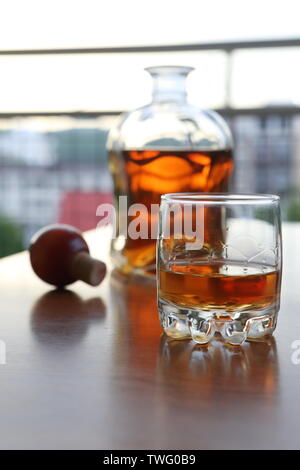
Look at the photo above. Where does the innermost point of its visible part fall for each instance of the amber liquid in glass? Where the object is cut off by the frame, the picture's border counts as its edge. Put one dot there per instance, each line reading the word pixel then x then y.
pixel 144 175
pixel 218 286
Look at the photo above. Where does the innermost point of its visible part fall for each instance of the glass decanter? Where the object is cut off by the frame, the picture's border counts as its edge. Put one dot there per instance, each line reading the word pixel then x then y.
pixel 166 146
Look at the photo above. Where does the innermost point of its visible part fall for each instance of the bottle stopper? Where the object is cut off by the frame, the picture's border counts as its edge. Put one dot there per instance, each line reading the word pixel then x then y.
pixel 59 255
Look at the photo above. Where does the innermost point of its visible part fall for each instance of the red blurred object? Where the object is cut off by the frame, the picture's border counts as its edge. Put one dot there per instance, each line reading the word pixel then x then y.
pixel 60 256
pixel 79 208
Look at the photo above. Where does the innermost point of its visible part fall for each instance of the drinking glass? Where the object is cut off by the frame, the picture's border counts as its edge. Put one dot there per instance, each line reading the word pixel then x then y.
pixel 219 262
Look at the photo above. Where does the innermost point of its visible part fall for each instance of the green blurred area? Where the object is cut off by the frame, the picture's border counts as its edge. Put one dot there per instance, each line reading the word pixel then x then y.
pixel 293 208
pixel 11 237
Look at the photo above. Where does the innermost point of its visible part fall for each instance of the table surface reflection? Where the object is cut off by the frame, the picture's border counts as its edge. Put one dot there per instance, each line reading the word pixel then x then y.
pixel 89 368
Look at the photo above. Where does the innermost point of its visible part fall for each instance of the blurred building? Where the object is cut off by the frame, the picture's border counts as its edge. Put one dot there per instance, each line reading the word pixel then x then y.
pixel 43 181
pixel 266 154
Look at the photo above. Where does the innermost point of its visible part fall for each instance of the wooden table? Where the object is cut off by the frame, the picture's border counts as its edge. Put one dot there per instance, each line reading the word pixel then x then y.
pixel 90 369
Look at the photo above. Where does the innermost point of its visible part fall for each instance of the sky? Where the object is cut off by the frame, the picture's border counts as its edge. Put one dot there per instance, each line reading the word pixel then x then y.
pixel 67 23
pixel 98 82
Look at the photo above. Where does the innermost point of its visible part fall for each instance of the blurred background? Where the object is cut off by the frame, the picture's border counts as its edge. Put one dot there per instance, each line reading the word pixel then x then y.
pixel 69 68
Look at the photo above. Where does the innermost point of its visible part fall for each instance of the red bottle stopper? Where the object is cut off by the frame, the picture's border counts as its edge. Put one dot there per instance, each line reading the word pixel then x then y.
pixel 60 256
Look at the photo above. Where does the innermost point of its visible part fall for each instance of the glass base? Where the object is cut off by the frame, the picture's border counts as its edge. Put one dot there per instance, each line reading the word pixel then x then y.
pixel 122 265
pixel 201 326
pixel 130 272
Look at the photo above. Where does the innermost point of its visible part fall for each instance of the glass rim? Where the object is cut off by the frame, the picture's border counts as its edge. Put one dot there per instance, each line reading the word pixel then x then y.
pixel 169 69
pixel 224 198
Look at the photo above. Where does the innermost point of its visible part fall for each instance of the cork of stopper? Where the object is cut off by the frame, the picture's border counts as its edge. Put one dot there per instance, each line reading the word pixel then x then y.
pixel 87 269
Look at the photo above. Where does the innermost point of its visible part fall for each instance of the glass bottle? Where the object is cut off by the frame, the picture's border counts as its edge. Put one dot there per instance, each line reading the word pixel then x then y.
pixel 166 146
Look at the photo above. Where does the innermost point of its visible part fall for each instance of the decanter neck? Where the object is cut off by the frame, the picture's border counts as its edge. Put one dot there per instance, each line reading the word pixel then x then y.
pixel 169 83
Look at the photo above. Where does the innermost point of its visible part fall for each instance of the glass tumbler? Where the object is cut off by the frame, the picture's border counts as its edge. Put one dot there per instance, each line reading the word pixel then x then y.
pixel 228 283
